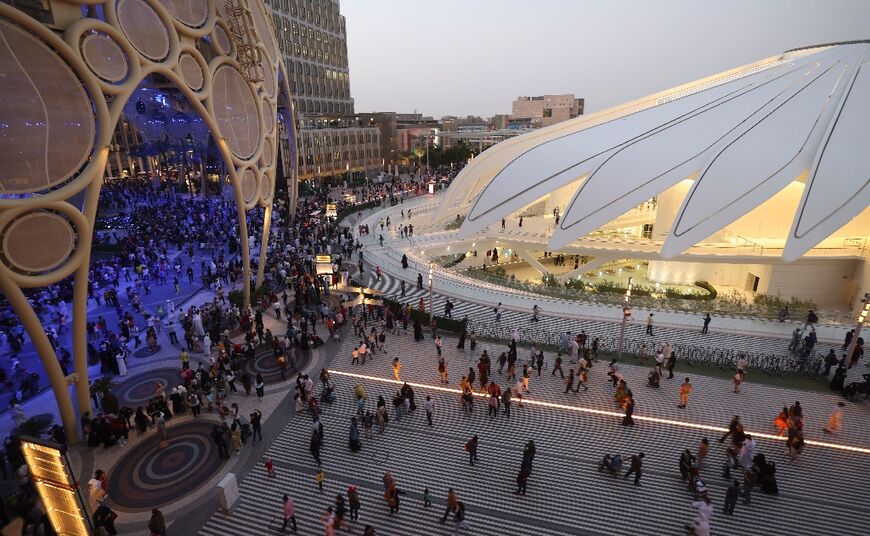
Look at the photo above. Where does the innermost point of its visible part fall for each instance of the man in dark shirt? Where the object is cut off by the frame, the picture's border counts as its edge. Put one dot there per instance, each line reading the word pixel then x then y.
pixel 635 468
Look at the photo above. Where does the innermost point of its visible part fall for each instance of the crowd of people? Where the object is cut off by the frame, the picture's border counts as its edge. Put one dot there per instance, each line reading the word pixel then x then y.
pixel 295 291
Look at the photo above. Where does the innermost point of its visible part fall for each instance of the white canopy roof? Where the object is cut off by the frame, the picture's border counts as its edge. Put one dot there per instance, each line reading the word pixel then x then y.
pixel 742 136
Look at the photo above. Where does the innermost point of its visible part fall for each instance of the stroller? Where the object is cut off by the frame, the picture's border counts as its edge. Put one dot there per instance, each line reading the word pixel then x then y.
pixel 327 394
pixel 854 389
pixel 696 485
pixel 611 463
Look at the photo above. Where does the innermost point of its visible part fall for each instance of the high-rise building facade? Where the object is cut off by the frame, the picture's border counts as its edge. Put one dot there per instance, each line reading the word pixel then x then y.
pixel 331 139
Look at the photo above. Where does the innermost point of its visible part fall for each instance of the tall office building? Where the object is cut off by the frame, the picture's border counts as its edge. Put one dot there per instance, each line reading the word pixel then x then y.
pixel 332 141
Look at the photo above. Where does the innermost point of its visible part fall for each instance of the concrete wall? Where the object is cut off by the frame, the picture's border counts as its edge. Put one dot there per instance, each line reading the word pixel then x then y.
pixel 862 285
pixel 827 282
pixel 717 274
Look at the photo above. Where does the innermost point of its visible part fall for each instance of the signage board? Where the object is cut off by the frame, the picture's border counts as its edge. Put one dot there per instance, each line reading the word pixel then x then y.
pixel 52 476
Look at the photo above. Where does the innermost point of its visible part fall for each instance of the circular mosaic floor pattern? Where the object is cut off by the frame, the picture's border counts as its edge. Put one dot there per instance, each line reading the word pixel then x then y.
pixel 264 362
pixel 150 477
pixel 139 389
pixel 146 351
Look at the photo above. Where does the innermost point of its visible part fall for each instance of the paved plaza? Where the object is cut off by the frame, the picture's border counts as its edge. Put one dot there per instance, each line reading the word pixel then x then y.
pixel 566 493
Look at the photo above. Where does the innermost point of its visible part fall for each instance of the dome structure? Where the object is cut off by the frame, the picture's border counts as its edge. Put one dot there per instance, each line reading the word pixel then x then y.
pixel 773 153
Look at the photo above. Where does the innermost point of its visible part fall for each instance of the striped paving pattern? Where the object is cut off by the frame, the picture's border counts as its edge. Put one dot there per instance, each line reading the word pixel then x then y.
pixel 824 492
pixel 481 314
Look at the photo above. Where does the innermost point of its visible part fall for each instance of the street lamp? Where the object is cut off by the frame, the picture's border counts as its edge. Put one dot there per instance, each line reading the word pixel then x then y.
pixel 626 316
pixel 431 277
pixel 860 323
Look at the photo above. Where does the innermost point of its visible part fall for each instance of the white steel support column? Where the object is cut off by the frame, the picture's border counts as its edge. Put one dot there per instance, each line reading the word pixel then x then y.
pixel 533 262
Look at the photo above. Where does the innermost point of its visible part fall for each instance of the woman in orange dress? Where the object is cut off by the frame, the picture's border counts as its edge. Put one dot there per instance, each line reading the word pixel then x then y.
pixel 781 421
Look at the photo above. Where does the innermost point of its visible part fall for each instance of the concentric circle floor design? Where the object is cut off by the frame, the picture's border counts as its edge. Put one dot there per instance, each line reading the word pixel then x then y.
pixel 138 390
pixel 147 351
pixel 264 362
pixel 149 477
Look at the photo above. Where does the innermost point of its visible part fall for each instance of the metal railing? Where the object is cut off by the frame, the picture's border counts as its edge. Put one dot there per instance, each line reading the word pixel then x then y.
pixel 723 358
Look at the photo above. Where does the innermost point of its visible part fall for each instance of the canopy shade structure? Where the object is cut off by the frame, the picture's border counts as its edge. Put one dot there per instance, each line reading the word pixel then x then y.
pixel 734 141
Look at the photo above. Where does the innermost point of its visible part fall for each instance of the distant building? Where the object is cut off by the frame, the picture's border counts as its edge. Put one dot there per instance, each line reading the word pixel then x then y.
pixel 499 121
pixel 332 140
pixel 543 111
pixel 385 122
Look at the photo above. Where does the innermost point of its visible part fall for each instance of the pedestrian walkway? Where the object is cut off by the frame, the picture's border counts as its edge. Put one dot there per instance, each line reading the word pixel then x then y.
pixel 457 285
pixel 819 494
pixel 549 327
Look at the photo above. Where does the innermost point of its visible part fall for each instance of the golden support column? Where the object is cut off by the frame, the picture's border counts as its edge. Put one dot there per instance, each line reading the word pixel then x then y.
pixel 264 243
pixel 46 353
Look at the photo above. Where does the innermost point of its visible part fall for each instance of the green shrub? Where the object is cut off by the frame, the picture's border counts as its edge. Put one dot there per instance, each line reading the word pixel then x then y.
pixel 236 298
pixel 609 287
pixel 453 262
pixel 353 209
pixel 641 290
pixel 575 284
pixel 549 280
pixel 455 224
pixel 709 288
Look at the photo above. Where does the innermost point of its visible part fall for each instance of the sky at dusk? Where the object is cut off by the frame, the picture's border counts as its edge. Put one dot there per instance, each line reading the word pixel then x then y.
pixel 460 57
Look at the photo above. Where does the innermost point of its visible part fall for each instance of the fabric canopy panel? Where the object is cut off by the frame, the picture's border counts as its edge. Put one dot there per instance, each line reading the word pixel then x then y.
pixel 47 115
pixel 738 138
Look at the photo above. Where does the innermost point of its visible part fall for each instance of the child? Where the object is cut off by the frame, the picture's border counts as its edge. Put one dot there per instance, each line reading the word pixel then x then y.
pixel 270 468
pixel 427 499
pixel 320 478
pixel 581 380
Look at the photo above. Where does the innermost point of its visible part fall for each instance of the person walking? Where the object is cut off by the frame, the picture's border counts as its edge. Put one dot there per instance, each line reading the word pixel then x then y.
pixel 442 370
pixel 314 446
pixel 635 468
pixel 506 401
pixel 459 518
pixel 738 380
pixel 703 451
pixel 649 324
pixel 451 505
pixel 353 437
pixel 157 525
pixel 557 365
pixel 522 479
pixel 256 419
pixel 706 327
pixel 731 495
pixel 732 428
pixel 397 366
pixel 471 448
pixel 319 478
pixel 493 404
pixel 569 383
pixel 581 380
pixel 259 386
pixel 628 420
pixel 353 502
pixel 671 363
pixel 104 517
pixel 217 435
pixel 835 419
pixel 430 408
pixel 685 389
pixel 289 513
